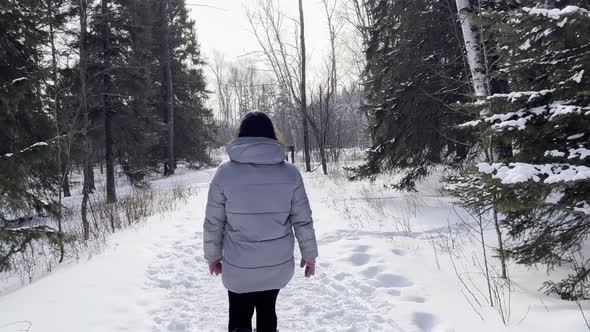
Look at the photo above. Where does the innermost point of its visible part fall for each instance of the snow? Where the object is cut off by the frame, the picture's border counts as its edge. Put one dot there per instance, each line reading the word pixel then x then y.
pixel 526 45
pixel 558 109
pixel 519 123
pixel 583 207
pixel 38 144
pixel 516 95
pixel 556 13
pixel 473 123
pixel 514 173
pixel 519 119
pixel 555 153
pixel 576 136
pixel 578 76
pixel 383 266
pixel 580 153
pixel 16 80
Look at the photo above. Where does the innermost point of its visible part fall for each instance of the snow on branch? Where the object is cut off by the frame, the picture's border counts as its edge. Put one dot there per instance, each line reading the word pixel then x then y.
pixel 522 172
pixel 578 76
pixel 29 148
pixel 16 80
pixel 518 120
pixel 556 13
pixel 579 153
pixel 583 207
pixel 514 96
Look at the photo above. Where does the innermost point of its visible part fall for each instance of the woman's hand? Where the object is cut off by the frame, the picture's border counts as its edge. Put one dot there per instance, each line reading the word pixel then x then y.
pixel 309 267
pixel 215 267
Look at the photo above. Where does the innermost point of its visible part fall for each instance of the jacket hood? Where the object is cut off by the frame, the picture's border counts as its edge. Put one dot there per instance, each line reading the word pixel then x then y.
pixel 256 150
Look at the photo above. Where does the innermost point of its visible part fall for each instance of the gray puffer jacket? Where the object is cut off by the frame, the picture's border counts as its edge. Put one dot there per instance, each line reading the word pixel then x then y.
pixel 255 202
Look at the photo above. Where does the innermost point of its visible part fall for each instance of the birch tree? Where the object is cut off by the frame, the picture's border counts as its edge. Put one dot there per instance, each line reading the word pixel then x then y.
pixel 473 49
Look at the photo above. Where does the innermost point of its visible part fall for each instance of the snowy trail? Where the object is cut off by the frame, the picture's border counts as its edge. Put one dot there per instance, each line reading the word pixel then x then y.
pixel 335 300
pixel 371 276
pixel 155 279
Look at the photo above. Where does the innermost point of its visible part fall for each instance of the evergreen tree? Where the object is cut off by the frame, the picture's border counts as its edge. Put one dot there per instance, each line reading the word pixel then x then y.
pixel 27 140
pixel 193 121
pixel 414 70
pixel 541 187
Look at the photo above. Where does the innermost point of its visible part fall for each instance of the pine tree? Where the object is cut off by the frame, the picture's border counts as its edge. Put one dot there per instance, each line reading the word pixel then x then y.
pixel 193 121
pixel 414 70
pixel 540 188
pixel 27 140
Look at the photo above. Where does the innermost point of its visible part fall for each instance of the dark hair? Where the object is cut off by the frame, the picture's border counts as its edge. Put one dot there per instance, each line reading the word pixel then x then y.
pixel 257 124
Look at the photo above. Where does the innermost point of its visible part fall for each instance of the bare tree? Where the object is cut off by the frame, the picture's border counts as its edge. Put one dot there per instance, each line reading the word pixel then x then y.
pixel 289 69
pixel 333 31
pixel 303 93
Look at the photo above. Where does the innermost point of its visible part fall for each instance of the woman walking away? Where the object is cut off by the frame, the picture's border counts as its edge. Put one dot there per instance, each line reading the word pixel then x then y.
pixel 256 206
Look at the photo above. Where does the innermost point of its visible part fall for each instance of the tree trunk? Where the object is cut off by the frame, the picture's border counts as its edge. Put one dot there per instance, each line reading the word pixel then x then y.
pixel 168 95
pixel 501 251
pixel 86 123
pixel 485 259
pixel 306 149
pixel 65 170
pixel 108 112
pixel 57 119
pixel 90 164
pixel 322 137
pixel 473 49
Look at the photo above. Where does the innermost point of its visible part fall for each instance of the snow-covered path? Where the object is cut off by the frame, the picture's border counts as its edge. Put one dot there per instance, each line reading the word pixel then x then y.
pixel 371 276
pixel 335 300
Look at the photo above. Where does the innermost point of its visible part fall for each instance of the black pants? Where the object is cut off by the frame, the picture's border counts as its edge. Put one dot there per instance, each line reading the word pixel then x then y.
pixel 241 309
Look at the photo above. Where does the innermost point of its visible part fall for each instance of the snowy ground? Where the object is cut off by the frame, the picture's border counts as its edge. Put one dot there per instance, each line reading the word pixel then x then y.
pixel 382 267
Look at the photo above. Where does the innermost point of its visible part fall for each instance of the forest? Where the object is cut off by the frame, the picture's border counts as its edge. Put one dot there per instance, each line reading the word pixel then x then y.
pixel 101 100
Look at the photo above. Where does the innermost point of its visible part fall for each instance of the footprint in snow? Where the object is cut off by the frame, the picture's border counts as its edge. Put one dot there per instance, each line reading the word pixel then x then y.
pixel 387 280
pixel 359 259
pixel 425 321
pixel 372 271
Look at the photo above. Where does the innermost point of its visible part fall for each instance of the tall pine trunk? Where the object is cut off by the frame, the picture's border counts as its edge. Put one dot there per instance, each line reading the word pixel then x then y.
pixel 168 94
pixel 87 168
pixel 63 163
pixel 108 113
pixel 57 118
pixel 306 149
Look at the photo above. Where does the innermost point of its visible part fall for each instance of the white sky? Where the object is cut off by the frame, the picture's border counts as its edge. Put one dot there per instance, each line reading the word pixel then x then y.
pixel 227 30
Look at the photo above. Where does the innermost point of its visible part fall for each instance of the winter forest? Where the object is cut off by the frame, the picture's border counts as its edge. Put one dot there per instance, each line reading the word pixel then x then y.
pixel 444 146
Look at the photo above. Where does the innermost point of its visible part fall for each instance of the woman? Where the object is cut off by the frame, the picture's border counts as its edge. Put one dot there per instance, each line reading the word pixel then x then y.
pixel 256 206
